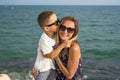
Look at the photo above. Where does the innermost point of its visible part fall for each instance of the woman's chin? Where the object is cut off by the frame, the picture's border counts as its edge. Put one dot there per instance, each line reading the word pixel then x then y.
pixel 63 39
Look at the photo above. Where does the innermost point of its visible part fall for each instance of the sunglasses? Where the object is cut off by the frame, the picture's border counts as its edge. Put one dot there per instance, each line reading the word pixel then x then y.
pixel 55 23
pixel 69 30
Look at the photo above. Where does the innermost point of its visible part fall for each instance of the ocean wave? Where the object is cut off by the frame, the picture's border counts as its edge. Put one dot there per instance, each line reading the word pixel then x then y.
pixel 113 53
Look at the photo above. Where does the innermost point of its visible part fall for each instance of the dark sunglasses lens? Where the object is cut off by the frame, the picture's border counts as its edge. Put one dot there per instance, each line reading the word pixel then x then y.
pixel 62 27
pixel 70 30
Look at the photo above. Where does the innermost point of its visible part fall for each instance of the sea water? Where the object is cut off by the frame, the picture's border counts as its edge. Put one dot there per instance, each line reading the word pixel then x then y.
pixel 99 39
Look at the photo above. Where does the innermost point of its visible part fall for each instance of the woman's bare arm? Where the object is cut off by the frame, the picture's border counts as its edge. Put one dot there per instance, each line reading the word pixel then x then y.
pixel 73 61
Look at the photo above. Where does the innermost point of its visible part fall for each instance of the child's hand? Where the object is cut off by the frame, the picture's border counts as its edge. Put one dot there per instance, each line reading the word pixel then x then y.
pixel 34 73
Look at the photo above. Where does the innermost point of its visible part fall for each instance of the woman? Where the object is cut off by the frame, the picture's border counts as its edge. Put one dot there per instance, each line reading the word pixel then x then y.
pixel 69 59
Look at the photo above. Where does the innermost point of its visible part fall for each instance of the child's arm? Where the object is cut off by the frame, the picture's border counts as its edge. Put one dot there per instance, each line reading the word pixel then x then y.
pixel 57 50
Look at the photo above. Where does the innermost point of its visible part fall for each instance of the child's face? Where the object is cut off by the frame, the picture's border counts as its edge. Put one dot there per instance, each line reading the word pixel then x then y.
pixel 52 24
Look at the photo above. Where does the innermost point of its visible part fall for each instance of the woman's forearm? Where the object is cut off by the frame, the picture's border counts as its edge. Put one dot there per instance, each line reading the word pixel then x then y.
pixel 63 69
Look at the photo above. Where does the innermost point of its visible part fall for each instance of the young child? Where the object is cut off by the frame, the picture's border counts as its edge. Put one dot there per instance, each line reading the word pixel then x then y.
pixel 46 47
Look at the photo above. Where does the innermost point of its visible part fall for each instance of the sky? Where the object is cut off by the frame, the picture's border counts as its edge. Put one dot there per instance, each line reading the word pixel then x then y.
pixel 59 2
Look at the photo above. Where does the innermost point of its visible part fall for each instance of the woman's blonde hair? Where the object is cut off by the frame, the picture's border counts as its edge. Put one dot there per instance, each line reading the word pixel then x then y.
pixel 58 40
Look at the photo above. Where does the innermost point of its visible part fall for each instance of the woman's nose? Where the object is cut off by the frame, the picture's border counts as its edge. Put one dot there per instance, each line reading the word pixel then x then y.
pixel 65 31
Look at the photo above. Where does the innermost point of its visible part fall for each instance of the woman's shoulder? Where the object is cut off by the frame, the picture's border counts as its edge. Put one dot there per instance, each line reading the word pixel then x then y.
pixel 75 46
pixel 74 51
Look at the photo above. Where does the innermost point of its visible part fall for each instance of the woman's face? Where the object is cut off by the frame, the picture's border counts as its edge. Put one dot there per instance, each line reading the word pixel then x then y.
pixel 66 30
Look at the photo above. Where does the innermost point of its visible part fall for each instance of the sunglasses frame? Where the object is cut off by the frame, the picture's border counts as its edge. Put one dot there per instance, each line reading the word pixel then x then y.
pixel 55 23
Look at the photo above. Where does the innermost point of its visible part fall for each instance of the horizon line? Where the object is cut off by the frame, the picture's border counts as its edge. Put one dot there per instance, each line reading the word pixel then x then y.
pixel 59 5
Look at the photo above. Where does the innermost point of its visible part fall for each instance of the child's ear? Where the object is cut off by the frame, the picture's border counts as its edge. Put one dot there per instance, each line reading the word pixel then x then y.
pixel 46 28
